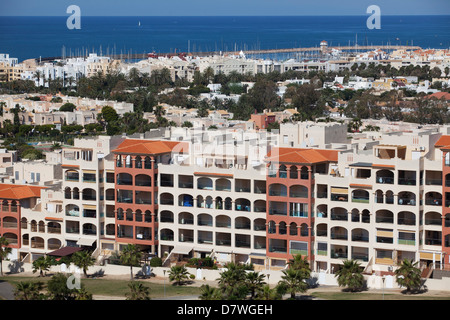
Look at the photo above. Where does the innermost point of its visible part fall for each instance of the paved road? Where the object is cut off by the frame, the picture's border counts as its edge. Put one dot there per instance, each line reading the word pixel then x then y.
pixel 6 291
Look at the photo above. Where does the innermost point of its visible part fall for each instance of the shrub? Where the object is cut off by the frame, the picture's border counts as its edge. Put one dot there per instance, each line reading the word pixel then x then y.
pixel 156 262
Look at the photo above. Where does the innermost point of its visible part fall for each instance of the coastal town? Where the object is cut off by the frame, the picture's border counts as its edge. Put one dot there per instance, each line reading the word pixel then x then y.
pixel 228 160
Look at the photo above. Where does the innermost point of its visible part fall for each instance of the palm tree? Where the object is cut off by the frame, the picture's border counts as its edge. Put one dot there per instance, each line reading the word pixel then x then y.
pixel 28 290
pixel 82 294
pixel 178 274
pixel 159 111
pixel 131 256
pixel 41 264
pixel 293 281
pixel 138 291
pixel 232 282
pixel 254 281
pixel 408 275
pixel 209 293
pixel 83 260
pixel 38 74
pixel 299 263
pixel 350 276
pixel 267 293
pixel 4 251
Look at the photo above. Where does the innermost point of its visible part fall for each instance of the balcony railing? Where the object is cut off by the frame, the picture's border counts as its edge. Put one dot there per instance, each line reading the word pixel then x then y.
pixel 342 217
pixel 433 202
pixel 386 180
pixel 360 199
pixel 361 257
pixel 407 242
pixel 406 181
pixel 433 182
pixel 277 212
pixel 301 214
pixel 338 255
pixel 406 202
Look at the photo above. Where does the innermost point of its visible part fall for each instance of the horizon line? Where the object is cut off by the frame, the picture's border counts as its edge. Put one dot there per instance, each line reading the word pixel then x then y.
pixel 245 15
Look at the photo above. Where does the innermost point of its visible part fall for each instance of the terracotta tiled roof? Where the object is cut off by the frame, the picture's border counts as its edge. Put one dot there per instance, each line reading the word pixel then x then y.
pixel 17 192
pixel 439 95
pixel 153 147
pixel 303 156
pixel 443 141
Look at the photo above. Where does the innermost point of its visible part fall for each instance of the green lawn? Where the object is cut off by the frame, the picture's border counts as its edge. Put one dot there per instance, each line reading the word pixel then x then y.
pixel 118 287
pixel 374 296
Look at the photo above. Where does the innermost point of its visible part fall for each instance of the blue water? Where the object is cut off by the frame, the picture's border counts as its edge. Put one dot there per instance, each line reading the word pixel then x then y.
pixel 32 37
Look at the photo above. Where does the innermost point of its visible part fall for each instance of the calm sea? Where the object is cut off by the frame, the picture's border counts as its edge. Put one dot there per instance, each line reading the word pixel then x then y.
pixel 32 37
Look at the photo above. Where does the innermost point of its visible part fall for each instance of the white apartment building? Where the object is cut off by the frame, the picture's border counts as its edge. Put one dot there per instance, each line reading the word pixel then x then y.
pixel 87 189
pixel 381 205
pixel 212 202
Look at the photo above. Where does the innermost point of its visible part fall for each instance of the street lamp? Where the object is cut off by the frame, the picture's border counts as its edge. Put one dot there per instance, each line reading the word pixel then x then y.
pixel 383 278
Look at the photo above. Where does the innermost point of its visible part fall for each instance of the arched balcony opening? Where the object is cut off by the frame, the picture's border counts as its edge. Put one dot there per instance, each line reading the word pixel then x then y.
pixel 339 233
pixel 166 199
pixel 243 205
pixel 124 179
pixel 37 243
pixel 205 220
pixel 185 218
pixel 282 171
pixel 433 199
pixel 204 183
pixel 304 230
pixel 360 196
pixel 223 221
pixel 89 194
pixel 166 234
pixel 53 244
pixel 406 218
pixel 72 175
pixel 282 228
pixel 67 193
pixel 272 228
pixel 293 172
pixel 406 198
pixel 259 206
pixel 54 227
pixel 138 162
pixel 277 190
pixel 76 194
pixel 138 216
pixel 322 230
pixel 223 185
pixel 385 176
pixel 89 229
pixel 259 225
pixel 304 174
pixel 361 235
pixel 9 223
pixel 384 216
pixel 242 223
pixel 166 216
pixel 143 180
pixel 293 229
pixel 433 219
pixel 297 191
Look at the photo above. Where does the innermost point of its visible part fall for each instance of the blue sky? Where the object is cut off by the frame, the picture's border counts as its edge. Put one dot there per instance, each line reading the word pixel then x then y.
pixel 221 7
